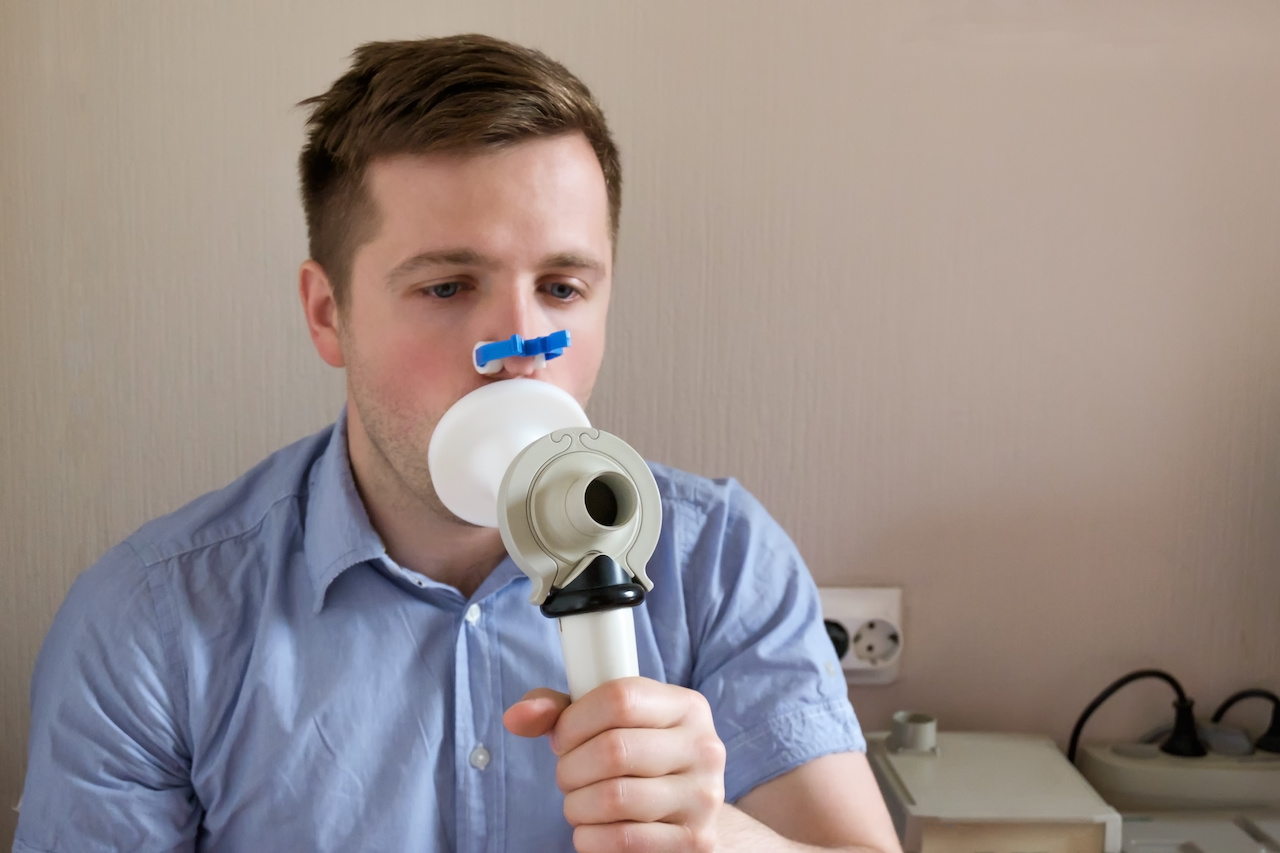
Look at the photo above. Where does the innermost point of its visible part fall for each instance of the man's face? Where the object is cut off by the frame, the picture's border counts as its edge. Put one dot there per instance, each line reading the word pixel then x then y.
pixel 469 248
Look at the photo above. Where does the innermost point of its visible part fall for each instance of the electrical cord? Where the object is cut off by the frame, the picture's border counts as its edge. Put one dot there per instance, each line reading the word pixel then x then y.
pixel 1183 740
pixel 1244 694
pixel 1270 740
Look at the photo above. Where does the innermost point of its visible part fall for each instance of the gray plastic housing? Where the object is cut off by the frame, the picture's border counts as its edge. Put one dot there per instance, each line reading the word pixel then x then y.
pixel 572 495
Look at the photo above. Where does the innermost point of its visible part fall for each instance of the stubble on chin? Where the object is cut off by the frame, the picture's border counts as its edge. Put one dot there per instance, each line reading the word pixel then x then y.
pixel 397 458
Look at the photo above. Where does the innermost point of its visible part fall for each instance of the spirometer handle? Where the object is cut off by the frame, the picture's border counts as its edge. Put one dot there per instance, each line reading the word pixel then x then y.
pixel 598 647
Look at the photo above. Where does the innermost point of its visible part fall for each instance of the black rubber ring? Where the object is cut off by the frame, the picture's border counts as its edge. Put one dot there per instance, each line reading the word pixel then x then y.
pixel 603 585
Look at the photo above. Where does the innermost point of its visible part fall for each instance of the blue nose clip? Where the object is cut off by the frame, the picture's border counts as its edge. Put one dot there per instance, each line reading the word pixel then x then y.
pixel 488 355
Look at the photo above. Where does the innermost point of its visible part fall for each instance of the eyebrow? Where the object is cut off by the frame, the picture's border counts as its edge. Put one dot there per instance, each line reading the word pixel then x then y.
pixel 439 258
pixel 472 258
pixel 572 261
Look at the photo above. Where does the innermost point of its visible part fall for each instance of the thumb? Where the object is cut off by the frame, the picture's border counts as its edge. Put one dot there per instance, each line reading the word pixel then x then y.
pixel 536 714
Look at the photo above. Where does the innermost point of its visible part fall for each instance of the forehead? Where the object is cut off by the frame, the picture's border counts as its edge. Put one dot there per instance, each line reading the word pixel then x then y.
pixel 550 188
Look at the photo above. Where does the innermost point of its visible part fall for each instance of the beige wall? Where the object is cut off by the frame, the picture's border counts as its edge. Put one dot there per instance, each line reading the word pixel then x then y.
pixel 981 298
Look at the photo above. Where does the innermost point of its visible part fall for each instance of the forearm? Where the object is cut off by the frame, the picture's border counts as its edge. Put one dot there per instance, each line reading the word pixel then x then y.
pixel 741 833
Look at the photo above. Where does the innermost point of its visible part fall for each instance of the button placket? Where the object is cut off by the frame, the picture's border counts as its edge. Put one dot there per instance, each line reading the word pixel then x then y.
pixel 479 756
pixel 470 808
pixel 473 730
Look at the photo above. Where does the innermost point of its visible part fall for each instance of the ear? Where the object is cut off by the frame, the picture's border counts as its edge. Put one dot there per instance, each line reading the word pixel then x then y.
pixel 321 311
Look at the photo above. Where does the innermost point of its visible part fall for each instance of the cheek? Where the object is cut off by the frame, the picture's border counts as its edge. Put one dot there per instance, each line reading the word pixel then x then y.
pixel 593 344
pixel 413 367
pixel 590 355
pixel 582 364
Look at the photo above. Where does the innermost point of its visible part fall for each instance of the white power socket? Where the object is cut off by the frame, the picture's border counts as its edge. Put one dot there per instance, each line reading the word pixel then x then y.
pixel 869 619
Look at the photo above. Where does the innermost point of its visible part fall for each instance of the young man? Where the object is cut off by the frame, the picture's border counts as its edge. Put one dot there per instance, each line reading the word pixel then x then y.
pixel 321 657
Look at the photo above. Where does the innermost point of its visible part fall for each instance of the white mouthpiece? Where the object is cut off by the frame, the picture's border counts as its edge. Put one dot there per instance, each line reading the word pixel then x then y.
pixel 479 436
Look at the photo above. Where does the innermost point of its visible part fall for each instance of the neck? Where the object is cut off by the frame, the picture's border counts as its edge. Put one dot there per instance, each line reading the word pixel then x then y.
pixel 445 551
pixel 417 531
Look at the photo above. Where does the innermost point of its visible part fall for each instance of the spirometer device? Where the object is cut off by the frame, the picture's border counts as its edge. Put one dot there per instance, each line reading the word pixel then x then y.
pixel 578 509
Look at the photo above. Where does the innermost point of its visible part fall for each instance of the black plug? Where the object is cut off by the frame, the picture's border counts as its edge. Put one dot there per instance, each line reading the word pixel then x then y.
pixel 1270 740
pixel 1183 740
pixel 838 635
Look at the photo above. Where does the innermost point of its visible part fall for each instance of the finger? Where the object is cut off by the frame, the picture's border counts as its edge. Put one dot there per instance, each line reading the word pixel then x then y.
pixel 628 703
pixel 536 714
pixel 642 838
pixel 669 799
pixel 636 752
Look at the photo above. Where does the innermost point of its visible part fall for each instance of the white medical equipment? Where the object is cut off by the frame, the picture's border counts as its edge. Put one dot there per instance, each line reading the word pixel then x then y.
pixel 578 510
pixel 961 792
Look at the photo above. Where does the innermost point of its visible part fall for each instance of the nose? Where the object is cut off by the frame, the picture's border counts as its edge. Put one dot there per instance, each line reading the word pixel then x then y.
pixel 515 366
pixel 514 313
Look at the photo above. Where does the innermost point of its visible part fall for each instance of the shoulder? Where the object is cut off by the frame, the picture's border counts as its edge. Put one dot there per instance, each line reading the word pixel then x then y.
pixel 122 615
pixel 718 524
pixel 106 675
pixel 722 560
pixel 129 592
pixel 110 599
pixel 705 500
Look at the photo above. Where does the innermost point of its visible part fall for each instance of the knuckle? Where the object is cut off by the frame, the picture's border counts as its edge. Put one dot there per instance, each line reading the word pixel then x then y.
pixel 627 837
pixel 699 707
pixel 709 798
pixel 709 750
pixel 617 753
pixel 612 838
pixel 623 698
pixel 702 839
pixel 637 838
pixel 613 797
pixel 563 780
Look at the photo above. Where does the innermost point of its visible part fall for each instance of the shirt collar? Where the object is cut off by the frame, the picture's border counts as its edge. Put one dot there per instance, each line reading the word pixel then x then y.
pixel 338 533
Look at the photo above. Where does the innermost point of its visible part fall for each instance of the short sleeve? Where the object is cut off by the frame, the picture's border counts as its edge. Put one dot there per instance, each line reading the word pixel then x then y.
pixel 762 656
pixel 108 767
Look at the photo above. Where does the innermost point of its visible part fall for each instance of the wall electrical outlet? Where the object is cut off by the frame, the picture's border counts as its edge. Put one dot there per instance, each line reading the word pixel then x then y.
pixel 865 625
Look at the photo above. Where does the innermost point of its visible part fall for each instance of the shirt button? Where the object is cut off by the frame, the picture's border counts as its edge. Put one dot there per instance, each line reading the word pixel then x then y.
pixel 480 757
pixel 473 614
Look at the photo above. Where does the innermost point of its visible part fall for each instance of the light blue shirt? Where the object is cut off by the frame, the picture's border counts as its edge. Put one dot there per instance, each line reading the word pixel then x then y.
pixel 254 673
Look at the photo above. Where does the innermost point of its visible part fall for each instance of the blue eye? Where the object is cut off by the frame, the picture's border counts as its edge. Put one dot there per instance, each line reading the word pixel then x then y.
pixel 444 291
pixel 560 290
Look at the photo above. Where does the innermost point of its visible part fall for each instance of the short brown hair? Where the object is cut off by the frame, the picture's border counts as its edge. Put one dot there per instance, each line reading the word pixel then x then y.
pixel 457 94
